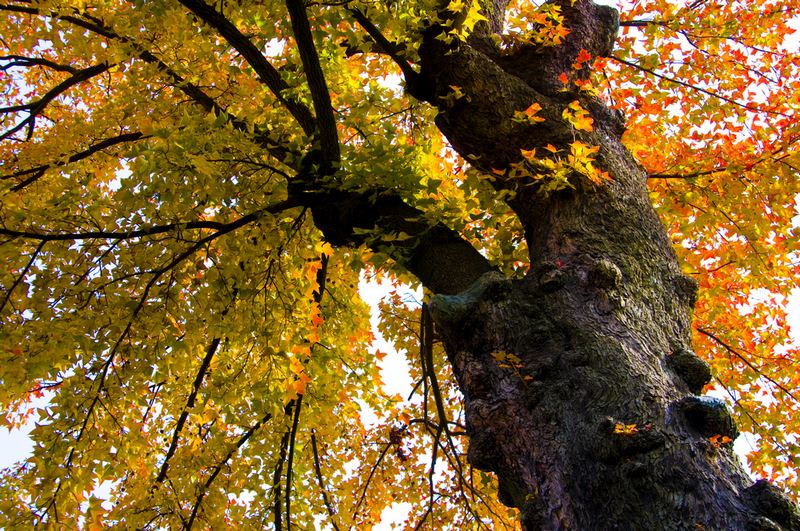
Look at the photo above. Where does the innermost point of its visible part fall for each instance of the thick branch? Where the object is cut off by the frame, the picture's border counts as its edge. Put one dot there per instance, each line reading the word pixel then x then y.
pixel 442 260
pixel 276 482
pixel 437 255
pixel 298 403
pixel 265 71
pixel 195 94
pixel 328 137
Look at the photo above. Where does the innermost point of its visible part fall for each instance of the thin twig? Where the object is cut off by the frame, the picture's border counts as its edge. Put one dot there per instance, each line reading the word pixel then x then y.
pixel 198 381
pixel 21 275
pixel 698 89
pixel 218 468
pixel 16 61
pixel 369 478
pixel 38 171
pixel 323 489
pixel 221 228
pixel 730 349
pixel 412 77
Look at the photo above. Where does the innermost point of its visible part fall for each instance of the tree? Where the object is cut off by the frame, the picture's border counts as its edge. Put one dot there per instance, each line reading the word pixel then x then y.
pixel 191 190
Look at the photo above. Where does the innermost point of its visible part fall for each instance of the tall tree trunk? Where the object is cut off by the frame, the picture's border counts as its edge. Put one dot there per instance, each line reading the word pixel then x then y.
pixel 579 381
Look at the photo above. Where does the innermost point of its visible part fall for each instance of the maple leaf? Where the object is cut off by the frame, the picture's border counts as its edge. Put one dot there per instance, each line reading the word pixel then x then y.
pixel 581 59
pixel 578 116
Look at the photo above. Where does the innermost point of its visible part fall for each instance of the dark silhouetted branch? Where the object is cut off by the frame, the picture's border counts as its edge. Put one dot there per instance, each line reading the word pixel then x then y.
pixel 265 71
pixel 326 123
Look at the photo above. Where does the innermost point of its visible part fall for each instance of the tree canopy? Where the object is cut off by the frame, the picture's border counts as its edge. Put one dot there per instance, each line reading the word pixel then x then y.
pixel 191 192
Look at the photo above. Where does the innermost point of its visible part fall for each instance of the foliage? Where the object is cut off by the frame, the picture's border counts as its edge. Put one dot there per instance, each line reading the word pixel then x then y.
pixel 205 354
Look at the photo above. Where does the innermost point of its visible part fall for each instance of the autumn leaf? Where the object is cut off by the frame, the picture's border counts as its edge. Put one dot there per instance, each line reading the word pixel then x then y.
pixel 625 429
pixel 578 116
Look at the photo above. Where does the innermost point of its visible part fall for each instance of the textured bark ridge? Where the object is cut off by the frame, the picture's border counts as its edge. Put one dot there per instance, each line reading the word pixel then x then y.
pixel 579 381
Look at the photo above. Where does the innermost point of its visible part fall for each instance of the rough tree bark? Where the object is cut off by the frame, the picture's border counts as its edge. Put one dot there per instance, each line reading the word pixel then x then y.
pixel 601 324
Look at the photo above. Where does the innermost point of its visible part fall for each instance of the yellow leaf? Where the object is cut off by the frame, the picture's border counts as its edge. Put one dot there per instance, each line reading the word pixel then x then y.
pixel 578 116
pixel 551 148
pixel 625 429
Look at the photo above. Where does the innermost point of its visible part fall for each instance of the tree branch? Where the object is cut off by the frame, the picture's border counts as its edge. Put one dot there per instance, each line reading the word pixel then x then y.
pixel 276 482
pixel 437 255
pixel 156 275
pixel 218 468
pixel 221 228
pixel 698 89
pixel 414 81
pixel 429 373
pixel 15 61
pixel 298 402
pixel 686 175
pixel 265 71
pixel 642 23
pixel 37 172
pixel 743 359
pixel 369 478
pixel 326 123
pixel 426 345
pixel 21 276
pixel 35 108
pixel 195 94
pixel 323 489
pixel 198 381
pixel 322 274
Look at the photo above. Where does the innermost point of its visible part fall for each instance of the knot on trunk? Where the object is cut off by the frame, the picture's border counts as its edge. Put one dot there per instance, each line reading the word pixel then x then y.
pixel 709 416
pixel 685 289
pixel 450 312
pixel 694 372
pixel 769 501
pixel 550 277
pixel 616 440
pixel 605 275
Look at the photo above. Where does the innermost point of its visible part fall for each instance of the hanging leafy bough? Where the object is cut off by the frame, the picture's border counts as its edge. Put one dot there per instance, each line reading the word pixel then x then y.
pixel 188 203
